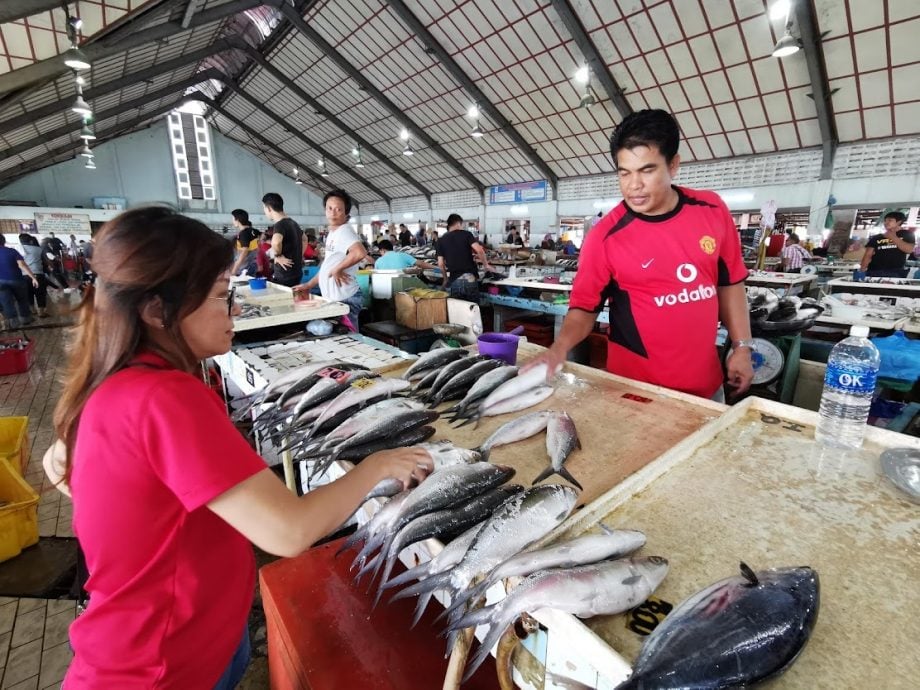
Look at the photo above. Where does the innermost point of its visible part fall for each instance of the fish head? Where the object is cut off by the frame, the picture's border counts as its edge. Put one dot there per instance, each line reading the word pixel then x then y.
pixel 652 568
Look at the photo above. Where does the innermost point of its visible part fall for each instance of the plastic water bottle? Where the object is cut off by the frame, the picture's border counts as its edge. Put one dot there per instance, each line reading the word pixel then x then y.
pixel 849 383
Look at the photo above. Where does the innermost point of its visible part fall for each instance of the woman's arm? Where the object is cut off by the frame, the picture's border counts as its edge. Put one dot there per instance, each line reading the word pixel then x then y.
pixel 264 511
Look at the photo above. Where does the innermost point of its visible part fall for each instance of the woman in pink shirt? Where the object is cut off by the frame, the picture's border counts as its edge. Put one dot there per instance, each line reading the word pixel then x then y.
pixel 167 494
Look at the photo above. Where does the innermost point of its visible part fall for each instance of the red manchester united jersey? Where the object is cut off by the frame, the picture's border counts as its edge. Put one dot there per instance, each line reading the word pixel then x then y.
pixel 659 275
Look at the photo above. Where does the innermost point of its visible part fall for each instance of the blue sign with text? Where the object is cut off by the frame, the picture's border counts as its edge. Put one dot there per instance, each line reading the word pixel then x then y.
pixel 518 193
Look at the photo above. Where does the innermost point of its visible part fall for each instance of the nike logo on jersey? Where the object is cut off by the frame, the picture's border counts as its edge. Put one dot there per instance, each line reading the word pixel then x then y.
pixel 647 263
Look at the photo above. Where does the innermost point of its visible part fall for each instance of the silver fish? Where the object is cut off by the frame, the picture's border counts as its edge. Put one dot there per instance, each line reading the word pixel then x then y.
pixel 602 589
pixel 516 430
pixel 525 400
pixel 435 359
pixel 385 488
pixel 532 378
pixel 584 550
pixel 445 523
pixel 382 517
pixel 449 372
pixel 515 525
pixel 368 416
pixel 561 440
pixel 426 380
pixel 459 384
pixel 275 388
pixel 357 396
pixel 448 487
pixel 485 385
pixel 735 633
pixel 444 454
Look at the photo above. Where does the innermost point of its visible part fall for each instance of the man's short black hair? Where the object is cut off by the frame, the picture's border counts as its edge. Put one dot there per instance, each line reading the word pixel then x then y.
pixel 453 219
pixel 897 215
pixel 656 128
pixel 793 238
pixel 385 244
pixel 240 216
pixel 403 226
pixel 339 194
pixel 274 202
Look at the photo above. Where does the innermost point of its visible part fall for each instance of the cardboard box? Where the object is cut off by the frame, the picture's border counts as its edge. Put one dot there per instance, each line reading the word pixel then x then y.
pixel 420 313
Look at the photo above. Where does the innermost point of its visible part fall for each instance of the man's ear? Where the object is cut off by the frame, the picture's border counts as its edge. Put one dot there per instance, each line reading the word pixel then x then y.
pixel 674 165
pixel 152 313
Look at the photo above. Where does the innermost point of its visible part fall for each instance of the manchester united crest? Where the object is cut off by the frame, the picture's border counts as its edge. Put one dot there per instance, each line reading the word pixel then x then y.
pixel 708 244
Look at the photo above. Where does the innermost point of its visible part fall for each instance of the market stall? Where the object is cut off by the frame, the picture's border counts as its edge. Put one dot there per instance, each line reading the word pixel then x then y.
pixel 782 283
pixel 275 305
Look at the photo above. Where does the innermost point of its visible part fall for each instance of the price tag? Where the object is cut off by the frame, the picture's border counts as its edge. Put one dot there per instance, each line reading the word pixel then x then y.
pixel 637 398
pixel 332 373
pixel 648 615
pixel 363 383
pixel 250 377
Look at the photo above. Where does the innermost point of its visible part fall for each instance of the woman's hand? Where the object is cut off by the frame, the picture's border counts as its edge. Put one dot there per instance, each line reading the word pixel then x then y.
pixel 409 465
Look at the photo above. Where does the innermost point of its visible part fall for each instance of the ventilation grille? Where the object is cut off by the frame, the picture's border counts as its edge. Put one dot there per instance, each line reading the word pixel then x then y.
pixel 466 198
pixel 375 207
pixel 413 204
pixel 190 145
pixel 876 158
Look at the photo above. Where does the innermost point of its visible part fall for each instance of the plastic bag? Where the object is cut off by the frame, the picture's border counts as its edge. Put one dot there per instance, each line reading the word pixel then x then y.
pixel 900 357
pixel 319 327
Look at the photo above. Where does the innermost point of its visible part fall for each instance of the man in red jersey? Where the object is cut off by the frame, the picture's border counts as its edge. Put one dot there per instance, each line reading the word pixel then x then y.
pixel 668 262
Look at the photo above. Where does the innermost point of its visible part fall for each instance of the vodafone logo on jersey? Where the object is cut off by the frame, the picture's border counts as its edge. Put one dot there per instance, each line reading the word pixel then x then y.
pixel 687 273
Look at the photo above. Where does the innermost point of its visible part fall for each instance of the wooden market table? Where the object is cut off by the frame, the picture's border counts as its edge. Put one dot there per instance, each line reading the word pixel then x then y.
pixel 324 635
pixel 791 283
pixel 284 311
pixel 902 288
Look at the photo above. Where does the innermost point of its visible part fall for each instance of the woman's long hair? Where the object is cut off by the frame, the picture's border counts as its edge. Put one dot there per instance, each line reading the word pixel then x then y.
pixel 141 255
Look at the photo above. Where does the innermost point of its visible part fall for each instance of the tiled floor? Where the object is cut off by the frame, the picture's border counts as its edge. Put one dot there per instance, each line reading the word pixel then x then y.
pixel 34 651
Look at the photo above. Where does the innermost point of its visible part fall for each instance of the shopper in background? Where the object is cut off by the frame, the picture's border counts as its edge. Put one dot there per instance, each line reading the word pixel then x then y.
pixel 405 237
pixel 794 254
pixel 344 250
pixel 391 260
pixel 309 248
pixel 167 495
pixel 457 252
pixel 14 295
pixel 246 244
pixel 886 253
pixel 53 249
pixel 32 255
pixel 287 242
pixel 668 262
pixel 514 237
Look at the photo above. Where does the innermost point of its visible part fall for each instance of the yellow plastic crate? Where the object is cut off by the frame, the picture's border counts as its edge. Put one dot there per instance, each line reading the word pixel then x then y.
pixel 18 513
pixel 14 442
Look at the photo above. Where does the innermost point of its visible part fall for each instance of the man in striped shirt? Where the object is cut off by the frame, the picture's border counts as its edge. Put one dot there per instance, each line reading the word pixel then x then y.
pixel 794 254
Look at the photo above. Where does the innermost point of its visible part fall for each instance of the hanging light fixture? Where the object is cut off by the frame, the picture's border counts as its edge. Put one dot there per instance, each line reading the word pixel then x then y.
pixel 86 152
pixel 296 174
pixel 322 167
pixel 86 131
pixel 74 57
pixel 408 150
pixel 80 106
pixel 475 112
pixel 90 164
pixel 356 152
pixel 587 98
pixel 788 44
pixel 477 132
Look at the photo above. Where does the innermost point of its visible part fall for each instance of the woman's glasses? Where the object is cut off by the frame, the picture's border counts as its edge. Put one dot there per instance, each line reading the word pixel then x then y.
pixel 231 296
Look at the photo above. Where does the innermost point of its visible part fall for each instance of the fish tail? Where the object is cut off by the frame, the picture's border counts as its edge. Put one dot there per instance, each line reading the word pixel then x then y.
pixel 468 420
pixel 411 574
pixel 565 474
pixel 543 475
pixel 430 584
pixel 485 647
pixel 420 607
pixel 387 571
pixel 370 565
pixel 474 618
pixel 483 453
pixel 352 540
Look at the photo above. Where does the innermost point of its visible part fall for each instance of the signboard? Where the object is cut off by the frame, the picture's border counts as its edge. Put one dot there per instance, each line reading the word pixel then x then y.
pixel 63 223
pixel 518 193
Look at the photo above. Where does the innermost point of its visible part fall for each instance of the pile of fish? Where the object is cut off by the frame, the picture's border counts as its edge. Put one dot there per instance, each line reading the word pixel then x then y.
pixel 774 315
pixel 484 387
pixel 254 311
pixel 735 633
pixel 568 264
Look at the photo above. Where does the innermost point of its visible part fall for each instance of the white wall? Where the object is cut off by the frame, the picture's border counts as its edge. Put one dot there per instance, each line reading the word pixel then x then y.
pixel 139 168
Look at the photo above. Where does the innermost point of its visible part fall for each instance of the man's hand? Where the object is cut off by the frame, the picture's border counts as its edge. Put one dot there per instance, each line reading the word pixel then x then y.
pixel 554 358
pixel 340 277
pixel 284 262
pixel 35 282
pixel 739 370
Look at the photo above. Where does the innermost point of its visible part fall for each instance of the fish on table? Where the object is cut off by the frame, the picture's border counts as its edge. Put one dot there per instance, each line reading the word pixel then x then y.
pixel 737 632
pixel 434 360
pixel 517 429
pixel 606 588
pixel 486 384
pixel 561 440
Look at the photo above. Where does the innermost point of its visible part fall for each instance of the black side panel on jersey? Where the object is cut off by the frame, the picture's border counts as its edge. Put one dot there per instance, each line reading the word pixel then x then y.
pixel 623 328
pixel 625 220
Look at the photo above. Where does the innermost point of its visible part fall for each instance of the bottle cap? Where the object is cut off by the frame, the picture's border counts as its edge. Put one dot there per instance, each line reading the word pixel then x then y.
pixel 860 331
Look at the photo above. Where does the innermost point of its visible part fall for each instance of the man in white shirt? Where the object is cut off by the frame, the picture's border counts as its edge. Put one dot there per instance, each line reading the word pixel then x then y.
pixel 337 277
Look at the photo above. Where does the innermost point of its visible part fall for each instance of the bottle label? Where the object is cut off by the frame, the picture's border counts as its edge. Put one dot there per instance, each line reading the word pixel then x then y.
pixel 850 379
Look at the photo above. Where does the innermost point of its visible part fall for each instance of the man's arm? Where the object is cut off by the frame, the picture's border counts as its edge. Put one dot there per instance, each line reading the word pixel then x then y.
pixel 355 255
pixel 443 266
pixel 240 260
pixel 280 259
pixel 733 313
pixel 480 253
pixel 28 271
pixel 867 259
pixel 900 243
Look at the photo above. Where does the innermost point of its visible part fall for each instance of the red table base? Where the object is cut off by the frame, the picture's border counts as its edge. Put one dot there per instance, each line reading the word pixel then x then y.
pixel 322 633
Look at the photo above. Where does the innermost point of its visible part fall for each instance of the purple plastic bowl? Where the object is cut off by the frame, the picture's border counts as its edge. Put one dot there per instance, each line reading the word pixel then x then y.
pixel 501 346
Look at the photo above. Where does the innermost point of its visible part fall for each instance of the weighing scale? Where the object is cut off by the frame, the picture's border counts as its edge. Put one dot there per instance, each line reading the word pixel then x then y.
pixel 776 367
